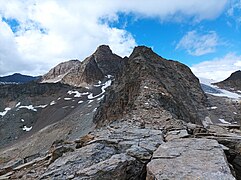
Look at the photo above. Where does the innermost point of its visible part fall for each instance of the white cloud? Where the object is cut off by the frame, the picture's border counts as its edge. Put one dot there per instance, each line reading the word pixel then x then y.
pixel 219 68
pixel 51 31
pixel 233 14
pixel 234 6
pixel 197 44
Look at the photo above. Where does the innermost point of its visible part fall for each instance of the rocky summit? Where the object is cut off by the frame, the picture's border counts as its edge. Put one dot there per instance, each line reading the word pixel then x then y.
pixel 93 69
pixel 108 117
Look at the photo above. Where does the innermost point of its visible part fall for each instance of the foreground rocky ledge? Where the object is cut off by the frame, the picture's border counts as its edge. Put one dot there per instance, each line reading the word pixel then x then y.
pixel 189 159
pixel 123 151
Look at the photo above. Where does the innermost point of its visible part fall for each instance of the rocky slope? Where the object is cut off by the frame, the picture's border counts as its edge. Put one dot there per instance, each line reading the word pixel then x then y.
pixel 27 108
pixel 233 82
pixel 58 72
pixel 93 69
pixel 149 80
pixel 142 120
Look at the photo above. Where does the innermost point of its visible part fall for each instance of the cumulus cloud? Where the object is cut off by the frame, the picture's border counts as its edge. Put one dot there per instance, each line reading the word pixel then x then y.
pixel 51 31
pixel 218 69
pixel 197 44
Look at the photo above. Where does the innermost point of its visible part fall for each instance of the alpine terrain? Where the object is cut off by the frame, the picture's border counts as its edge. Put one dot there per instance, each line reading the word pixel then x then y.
pixel 16 78
pixel 108 117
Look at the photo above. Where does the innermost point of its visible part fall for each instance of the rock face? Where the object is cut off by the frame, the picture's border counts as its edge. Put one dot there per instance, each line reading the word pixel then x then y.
pixel 59 71
pixel 189 159
pixel 153 85
pixel 93 69
pixel 231 83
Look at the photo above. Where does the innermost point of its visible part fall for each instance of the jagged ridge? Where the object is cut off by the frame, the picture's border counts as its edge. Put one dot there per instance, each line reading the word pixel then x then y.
pixel 171 85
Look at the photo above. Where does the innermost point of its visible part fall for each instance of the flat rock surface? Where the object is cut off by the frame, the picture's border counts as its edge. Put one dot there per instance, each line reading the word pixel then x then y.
pixel 189 159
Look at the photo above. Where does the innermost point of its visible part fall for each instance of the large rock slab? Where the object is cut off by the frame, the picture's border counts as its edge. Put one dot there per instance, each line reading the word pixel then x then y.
pixel 119 166
pixel 189 159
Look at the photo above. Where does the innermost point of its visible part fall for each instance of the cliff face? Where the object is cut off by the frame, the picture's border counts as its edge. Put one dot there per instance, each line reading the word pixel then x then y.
pixel 58 72
pixel 151 83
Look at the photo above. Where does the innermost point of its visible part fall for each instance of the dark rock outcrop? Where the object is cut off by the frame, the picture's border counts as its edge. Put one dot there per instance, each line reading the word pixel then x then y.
pixel 148 79
pixel 233 82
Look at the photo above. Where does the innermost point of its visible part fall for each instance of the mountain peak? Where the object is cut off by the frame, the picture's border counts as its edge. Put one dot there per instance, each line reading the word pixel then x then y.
pixel 144 51
pixel 103 49
pixel 235 76
pixel 141 50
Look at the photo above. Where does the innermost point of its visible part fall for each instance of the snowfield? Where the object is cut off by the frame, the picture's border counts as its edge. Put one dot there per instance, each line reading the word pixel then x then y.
pixel 216 91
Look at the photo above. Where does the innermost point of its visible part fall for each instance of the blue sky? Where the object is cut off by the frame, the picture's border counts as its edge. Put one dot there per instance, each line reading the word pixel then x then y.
pixel 36 35
pixel 164 37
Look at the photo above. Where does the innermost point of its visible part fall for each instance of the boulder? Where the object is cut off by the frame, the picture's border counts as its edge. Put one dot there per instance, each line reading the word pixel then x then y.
pixel 118 167
pixel 189 159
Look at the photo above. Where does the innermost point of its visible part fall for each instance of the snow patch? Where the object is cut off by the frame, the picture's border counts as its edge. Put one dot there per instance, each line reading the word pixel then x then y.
pixel 18 104
pixel 25 128
pixel 41 106
pixel 97 85
pixel 67 99
pixel 90 101
pixel 52 103
pixel 22 120
pixel 5 111
pixel 29 107
pixel 235 113
pixel 77 93
pixel 223 121
pixel 212 108
pixel 107 84
pixel 80 102
pixel 109 76
pixel 101 97
pixel 94 109
pixel 145 87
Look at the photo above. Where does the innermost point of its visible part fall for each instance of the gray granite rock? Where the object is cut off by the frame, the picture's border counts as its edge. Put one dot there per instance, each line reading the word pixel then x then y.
pixel 119 166
pixel 189 159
